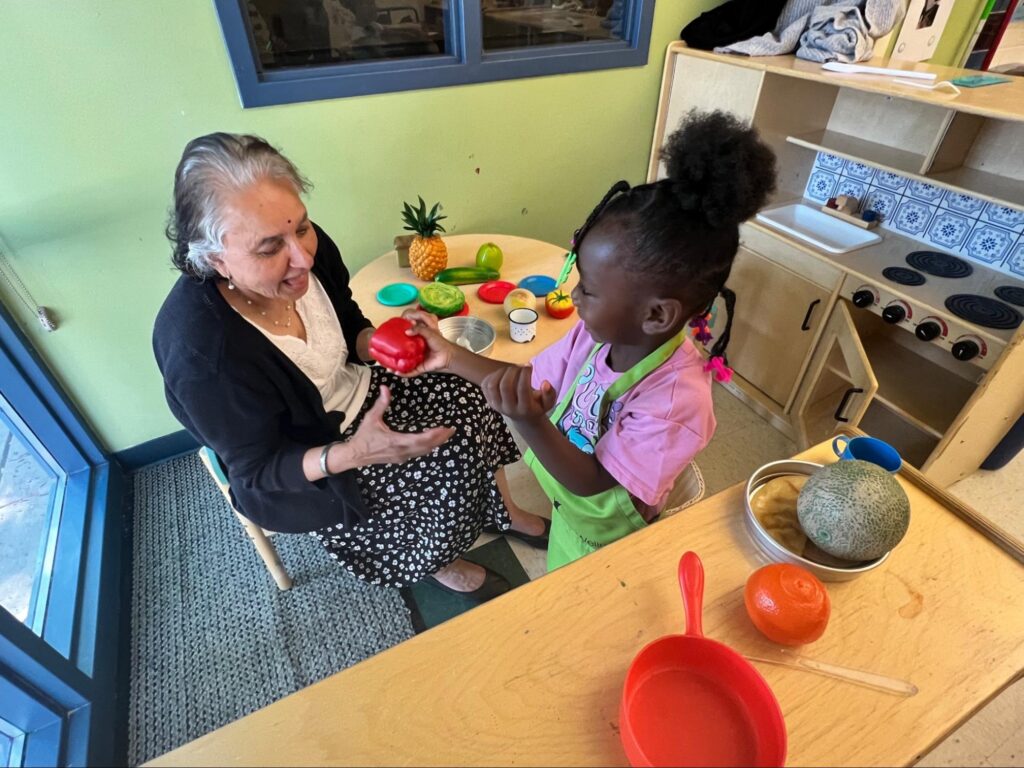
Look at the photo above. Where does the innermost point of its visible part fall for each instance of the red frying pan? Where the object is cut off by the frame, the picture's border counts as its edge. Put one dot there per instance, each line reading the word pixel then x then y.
pixel 689 700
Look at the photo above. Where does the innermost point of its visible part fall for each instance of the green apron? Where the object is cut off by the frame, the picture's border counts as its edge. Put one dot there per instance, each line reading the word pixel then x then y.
pixel 582 524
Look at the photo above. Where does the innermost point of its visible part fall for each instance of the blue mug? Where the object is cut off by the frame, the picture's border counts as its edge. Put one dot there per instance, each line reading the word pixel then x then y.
pixel 868 449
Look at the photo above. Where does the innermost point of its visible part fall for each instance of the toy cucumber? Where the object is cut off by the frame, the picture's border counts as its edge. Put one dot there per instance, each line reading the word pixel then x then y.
pixel 441 299
pixel 465 275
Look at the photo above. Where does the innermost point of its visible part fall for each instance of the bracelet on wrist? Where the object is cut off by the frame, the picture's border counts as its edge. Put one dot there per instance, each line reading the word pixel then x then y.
pixel 323 460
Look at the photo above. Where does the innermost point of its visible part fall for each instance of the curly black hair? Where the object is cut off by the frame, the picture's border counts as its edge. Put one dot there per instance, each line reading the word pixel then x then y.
pixel 683 230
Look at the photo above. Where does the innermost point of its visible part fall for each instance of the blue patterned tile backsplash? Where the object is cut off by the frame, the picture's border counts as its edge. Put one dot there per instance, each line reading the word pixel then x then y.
pixel 948 221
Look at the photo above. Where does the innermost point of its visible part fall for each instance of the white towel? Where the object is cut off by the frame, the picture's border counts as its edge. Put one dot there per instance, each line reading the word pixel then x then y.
pixel 825 30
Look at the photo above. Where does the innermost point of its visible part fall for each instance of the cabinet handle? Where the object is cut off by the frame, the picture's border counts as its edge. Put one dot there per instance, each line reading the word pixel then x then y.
pixel 805 326
pixel 846 399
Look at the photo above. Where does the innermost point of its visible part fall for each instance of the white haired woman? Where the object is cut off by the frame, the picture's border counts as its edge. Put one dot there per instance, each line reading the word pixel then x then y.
pixel 263 353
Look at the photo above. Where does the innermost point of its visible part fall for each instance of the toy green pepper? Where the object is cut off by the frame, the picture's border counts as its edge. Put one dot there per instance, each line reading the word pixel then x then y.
pixel 392 348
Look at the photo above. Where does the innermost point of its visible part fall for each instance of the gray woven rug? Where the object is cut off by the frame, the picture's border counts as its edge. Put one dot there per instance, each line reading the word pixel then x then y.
pixel 213 638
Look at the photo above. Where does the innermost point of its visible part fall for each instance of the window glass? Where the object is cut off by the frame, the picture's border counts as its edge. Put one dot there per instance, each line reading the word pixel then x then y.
pixel 298 33
pixel 29 489
pixel 527 23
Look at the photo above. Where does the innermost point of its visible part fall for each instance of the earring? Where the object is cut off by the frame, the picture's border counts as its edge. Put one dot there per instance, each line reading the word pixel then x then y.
pixel 231 285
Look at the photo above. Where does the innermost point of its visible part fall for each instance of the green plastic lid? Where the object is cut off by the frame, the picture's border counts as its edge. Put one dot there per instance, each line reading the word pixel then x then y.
pixel 397 294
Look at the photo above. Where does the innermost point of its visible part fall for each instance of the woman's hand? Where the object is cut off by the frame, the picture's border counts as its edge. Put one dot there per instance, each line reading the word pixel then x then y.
pixel 509 391
pixel 363 344
pixel 374 442
pixel 440 351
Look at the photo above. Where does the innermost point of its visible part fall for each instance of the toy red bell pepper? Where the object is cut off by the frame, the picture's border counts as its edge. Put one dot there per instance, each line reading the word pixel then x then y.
pixel 393 349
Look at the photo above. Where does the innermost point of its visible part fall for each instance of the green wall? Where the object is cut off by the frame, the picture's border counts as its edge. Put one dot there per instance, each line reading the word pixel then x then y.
pixel 963 20
pixel 100 96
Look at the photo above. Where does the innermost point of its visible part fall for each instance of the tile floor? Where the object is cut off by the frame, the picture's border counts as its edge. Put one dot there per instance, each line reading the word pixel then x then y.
pixel 742 443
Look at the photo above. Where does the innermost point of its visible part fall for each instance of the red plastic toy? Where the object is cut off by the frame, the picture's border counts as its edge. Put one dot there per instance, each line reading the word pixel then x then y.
pixel 689 700
pixel 392 348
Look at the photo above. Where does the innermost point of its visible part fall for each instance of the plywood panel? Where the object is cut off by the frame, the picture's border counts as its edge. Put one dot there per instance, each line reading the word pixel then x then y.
pixel 789 106
pixel 909 126
pixel 691 83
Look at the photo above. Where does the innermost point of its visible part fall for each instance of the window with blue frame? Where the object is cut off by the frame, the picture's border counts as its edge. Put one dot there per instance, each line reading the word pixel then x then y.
pixel 60 572
pixel 286 51
pixel 31 497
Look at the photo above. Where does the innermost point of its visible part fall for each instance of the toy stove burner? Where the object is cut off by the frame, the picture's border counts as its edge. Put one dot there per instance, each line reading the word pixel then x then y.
pixel 903 276
pixel 939 264
pixel 1012 294
pixel 983 311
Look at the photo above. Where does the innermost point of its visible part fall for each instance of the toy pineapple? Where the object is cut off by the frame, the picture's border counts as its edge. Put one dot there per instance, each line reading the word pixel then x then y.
pixel 427 253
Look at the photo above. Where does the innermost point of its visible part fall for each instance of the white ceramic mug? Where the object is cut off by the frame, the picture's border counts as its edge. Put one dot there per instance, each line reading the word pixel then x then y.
pixel 522 325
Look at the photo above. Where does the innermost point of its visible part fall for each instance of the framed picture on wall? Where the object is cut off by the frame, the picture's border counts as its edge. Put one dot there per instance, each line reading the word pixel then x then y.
pixel 922 29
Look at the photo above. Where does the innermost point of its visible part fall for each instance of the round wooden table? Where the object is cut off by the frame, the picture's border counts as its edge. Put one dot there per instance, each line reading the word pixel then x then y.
pixel 522 257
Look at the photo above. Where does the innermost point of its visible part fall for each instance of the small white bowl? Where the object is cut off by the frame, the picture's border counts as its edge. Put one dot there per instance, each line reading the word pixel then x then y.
pixel 477 335
pixel 772 549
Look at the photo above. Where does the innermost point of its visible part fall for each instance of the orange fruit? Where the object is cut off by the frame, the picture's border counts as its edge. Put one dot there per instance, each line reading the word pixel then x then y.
pixel 787 603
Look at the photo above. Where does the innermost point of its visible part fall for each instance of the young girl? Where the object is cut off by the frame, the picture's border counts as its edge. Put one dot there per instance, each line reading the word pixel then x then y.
pixel 631 395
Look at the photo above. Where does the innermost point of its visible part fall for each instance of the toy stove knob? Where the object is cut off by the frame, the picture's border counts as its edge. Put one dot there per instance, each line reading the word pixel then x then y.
pixel 966 350
pixel 928 330
pixel 863 298
pixel 894 313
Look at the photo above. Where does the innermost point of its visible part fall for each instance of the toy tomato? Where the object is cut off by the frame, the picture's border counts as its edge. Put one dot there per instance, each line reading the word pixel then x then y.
pixel 390 347
pixel 558 304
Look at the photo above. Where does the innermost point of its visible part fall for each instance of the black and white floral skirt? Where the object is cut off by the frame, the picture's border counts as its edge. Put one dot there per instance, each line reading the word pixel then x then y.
pixel 426 512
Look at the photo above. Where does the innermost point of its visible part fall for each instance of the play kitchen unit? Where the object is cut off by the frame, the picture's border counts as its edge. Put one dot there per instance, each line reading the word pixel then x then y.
pixel 911 330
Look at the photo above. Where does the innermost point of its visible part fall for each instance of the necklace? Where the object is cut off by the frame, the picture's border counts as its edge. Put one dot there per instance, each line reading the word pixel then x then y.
pixel 263 313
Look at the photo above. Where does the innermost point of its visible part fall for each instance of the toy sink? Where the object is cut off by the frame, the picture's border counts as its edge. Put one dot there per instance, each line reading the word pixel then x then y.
pixel 818 229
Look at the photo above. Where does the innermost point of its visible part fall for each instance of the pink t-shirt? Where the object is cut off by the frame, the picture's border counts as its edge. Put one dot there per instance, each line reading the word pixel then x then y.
pixel 653 431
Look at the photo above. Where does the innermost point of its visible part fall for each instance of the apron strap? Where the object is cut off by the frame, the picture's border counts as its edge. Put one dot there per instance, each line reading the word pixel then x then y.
pixel 561 407
pixel 637 373
pixel 625 382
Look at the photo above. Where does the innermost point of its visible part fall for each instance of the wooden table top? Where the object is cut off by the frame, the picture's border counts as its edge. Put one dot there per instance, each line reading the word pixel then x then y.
pixel 534 677
pixel 522 257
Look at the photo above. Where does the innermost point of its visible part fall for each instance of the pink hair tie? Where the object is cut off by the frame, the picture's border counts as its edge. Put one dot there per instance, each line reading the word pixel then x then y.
pixel 723 373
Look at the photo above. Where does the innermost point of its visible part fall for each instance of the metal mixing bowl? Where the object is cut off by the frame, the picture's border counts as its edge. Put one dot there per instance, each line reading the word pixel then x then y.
pixel 772 549
pixel 475 333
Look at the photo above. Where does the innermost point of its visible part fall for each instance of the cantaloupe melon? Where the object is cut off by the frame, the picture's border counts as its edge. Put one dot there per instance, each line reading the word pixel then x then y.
pixel 854 510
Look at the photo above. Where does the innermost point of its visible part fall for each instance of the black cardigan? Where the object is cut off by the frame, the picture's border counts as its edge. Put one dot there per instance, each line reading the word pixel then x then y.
pixel 237 393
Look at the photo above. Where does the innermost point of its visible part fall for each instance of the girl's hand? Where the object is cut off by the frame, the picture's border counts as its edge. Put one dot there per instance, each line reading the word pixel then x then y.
pixel 509 391
pixel 440 351
pixel 375 443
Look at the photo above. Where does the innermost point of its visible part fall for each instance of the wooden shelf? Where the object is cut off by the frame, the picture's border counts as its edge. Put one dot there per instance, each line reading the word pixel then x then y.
pixel 931 407
pixel 930 396
pixel 914 446
pixel 861 151
pixel 997 189
pixel 1001 190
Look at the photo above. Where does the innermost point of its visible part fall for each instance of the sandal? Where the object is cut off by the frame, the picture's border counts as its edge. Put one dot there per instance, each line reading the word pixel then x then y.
pixel 540 541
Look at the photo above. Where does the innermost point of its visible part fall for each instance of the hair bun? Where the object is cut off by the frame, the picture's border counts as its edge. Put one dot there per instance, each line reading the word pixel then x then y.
pixel 719 168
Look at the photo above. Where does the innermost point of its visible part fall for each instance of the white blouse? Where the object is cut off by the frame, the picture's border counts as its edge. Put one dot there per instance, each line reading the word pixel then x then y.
pixel 323 357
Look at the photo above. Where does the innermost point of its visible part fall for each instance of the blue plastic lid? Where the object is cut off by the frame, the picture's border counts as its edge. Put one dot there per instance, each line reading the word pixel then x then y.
pixel 538 285
pixel 397 294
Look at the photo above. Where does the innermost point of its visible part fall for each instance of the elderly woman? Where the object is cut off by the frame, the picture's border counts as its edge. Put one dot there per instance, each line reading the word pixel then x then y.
pixel 263 354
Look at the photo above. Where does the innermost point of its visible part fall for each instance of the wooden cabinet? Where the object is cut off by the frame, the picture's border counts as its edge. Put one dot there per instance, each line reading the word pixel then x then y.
pixel 839 384
pixel 777 318
pixel 802 374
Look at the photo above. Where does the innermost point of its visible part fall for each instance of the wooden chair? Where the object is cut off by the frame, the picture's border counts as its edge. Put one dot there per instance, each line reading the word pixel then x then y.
pixel 260 538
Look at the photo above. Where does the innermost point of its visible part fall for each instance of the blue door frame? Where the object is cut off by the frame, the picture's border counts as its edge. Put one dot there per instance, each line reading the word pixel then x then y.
pixel 59 683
